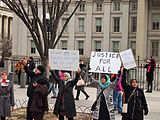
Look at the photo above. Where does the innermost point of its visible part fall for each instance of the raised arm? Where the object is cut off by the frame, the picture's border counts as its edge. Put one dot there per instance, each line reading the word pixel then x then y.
pixel 124 83
pixel 27 70
pixel 57 79
pixel 92 79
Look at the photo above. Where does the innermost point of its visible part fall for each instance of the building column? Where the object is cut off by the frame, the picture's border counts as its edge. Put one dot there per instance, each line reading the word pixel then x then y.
pixel 5 26
pixel 124 44
pixel 88 28
pixel 141 36
pixel 20 37
pixel 0 26
pixel 106 32
pixel 71 29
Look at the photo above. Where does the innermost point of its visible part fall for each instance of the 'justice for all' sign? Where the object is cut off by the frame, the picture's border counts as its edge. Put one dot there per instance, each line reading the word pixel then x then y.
pixel 105 62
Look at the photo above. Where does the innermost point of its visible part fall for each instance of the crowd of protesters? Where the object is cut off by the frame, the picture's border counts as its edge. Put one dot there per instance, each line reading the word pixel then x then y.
pixel 113 92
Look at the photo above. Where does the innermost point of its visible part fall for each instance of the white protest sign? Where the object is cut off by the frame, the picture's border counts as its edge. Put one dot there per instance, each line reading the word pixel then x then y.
pixel 64 59
pixel 105 62
pixel 127 59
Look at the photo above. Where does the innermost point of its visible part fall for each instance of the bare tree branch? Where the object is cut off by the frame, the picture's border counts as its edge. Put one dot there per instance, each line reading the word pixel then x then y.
pixel 42 30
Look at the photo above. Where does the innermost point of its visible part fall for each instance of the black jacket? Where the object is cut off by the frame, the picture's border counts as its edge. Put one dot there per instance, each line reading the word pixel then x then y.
pixel 40 79
pixel 137 103
pixel 65 92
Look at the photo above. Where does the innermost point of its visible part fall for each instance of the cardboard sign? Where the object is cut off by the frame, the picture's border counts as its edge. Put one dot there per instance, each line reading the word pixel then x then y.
pixel 64 59
pixel 128 59
pixel 105 62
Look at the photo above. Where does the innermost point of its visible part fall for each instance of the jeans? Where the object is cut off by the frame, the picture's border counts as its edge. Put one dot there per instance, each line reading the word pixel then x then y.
pixel 117 99
pixel 52 88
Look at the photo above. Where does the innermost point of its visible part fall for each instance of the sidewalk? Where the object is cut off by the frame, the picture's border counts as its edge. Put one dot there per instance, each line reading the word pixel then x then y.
pixel 153 100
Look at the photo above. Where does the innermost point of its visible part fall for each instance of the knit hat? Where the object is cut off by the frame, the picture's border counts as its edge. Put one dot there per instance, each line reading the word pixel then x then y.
pixel 41 68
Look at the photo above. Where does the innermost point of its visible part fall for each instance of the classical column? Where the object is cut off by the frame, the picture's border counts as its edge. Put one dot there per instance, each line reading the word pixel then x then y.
pixel 71 29
pixel 141 36
pixel 125 25
pixel 0 26
pixel 88 28
pixel 106 32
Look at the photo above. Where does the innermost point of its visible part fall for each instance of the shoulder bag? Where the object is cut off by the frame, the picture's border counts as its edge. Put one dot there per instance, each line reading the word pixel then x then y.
pixel 125 105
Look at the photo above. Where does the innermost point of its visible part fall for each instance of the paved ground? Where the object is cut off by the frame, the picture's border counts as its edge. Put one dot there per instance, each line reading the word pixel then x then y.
pixel 153 100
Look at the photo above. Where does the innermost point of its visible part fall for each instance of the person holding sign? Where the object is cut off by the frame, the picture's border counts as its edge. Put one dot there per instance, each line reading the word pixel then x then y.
pixel 103 107
pixel 135 100
pixel 65 104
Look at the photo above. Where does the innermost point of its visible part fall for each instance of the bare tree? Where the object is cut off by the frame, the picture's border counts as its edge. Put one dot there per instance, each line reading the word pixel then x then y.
pixel 5 48
pixel 38 24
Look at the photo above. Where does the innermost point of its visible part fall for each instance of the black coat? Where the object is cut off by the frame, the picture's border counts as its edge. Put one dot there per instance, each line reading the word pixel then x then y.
pixel 31 65
pixel 65 91
pixel 150 73
pixel 137 103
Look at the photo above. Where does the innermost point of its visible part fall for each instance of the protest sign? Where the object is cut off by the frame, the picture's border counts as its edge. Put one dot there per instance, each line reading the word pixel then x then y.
pixel 127 59
pixel 64 59
pixel 105 62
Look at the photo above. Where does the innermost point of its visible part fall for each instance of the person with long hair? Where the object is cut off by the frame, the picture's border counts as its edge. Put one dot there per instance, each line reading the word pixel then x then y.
pixel 134 98
pixel 150 66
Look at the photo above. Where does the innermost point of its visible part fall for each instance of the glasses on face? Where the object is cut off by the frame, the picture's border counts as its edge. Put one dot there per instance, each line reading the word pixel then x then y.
pixel 4 74
pixel 64 76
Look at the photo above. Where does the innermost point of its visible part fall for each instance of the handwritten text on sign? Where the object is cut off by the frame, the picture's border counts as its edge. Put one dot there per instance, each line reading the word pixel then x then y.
pixel 64 59
pixel 105 62
pixel 128 59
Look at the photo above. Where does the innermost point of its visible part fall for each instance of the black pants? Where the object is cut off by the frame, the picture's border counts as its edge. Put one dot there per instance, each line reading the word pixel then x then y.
pixel 150 85
pixel 19 78
pixel 61 117
pixel 28 80
pixel 78 93
pixel 3 118
pixel 37 115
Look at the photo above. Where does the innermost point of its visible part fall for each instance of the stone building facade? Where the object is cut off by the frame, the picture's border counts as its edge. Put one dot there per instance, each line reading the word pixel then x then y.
pixel 103 25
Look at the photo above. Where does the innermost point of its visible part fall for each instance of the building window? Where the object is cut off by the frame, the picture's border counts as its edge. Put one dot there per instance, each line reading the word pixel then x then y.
pixel 81 47
pixel 155 3
pixel 81 24
pixel 63 23
pixel 64 45
pixel 117 6
pixel 9 27
pixel 98 24
pixel 133 47
pixel 82 7
pixel 115 46
pixel 98 46
pixel 155 48
pixel 98 6
pixel 133 24
pixel 3 24
pixel 134 5
pixel 33 47
pixel 116 21
pixel 156 22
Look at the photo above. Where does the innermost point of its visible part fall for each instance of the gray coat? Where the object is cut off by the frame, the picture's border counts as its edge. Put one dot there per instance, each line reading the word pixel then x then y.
pixel 108 94
pixel 6 101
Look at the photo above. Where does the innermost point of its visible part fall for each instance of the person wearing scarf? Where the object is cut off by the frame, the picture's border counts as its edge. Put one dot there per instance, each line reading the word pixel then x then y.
pixel 104 107
pixel 65 104
pixel 6 96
